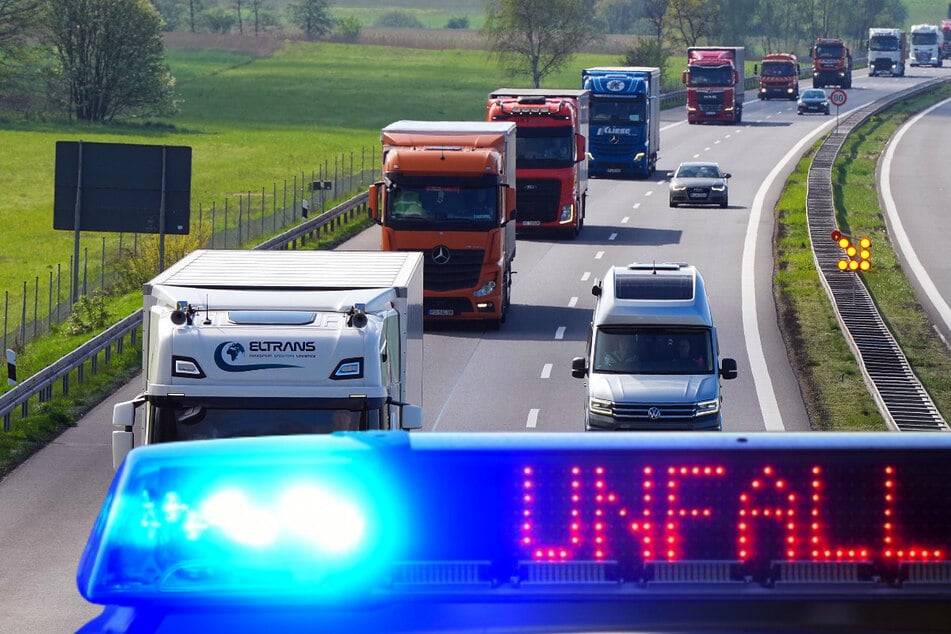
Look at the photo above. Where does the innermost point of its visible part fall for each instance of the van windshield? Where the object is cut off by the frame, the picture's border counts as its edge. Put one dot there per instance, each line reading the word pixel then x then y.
pixel 653 351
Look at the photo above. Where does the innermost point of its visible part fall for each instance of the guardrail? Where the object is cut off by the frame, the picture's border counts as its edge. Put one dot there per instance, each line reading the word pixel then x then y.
pixel 39 387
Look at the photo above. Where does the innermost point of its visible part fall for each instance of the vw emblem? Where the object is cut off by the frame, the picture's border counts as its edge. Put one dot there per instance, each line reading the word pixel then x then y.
pixel 441 254
pixel 653 413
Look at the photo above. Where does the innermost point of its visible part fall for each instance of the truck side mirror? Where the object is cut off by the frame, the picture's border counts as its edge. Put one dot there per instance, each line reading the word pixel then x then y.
pixel 580 153
pixel 579 367
pixel 121 446
pixel 728 368
pixel 756 69
pixel 683 78
pixel 373 202
pixel 411 417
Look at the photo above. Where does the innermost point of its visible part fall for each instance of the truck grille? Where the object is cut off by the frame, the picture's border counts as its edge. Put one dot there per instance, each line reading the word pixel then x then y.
pixel 538 200
pixel 640 412
pixel 460 271
pixel 705 99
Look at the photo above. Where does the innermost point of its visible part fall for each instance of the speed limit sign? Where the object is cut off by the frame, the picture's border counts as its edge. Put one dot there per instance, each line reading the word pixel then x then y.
pixel 838 97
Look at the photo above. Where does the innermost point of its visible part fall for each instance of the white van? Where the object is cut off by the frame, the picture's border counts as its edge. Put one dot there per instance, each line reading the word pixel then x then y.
pixel 652 361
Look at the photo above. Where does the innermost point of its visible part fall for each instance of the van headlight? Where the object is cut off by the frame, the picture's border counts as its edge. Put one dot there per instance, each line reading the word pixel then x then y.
pixel 601 406
pixel 705 408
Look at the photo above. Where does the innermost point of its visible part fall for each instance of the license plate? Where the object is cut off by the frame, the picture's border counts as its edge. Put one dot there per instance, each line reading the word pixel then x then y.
pixel 441 312
pixel 530 223
pixel 700 195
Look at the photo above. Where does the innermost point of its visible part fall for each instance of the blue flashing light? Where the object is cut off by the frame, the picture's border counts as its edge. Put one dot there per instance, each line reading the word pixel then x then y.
pixel 222 521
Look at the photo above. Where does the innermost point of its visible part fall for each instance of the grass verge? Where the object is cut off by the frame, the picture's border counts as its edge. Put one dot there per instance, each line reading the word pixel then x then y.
pixel 830 377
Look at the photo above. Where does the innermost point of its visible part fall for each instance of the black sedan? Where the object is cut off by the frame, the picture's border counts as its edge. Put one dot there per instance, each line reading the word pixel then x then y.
pixel 813 100
pixel 698 183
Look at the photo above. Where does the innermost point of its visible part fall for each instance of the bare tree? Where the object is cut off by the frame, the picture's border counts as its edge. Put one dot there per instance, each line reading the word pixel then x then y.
pixel 655 12
pixel 537 37
pixel 111 57
pixel 693 20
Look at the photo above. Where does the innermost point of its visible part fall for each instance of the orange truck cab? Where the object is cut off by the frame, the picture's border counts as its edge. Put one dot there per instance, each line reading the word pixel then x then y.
pixel 448 190
pixel 779 76
pixel 551 164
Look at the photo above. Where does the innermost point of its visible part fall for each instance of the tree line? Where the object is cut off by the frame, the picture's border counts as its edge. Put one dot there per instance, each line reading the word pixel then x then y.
pixel 98 60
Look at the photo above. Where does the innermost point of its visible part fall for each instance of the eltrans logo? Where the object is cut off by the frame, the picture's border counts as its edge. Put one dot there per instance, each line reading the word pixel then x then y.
pixel 230 356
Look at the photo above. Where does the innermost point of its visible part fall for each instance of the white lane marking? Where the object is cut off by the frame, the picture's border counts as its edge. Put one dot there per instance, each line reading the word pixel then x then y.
pixel 696 156
pixel 532 421
pixel 717 141
pixel 637 205
pixel 625 220
pixel 546 371
pixel 649 192
pixel 572 302
pixel 706 149
pixel 613 236
pixel 586 276
pixel 599 255
pixel 897 230
pixel 769 406
pixel 560 332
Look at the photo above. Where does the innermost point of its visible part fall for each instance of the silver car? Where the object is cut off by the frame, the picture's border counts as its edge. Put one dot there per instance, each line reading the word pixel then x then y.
pixel 698 183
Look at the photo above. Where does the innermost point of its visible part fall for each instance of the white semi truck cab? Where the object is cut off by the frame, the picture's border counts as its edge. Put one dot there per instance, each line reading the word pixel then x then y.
pixel 256 343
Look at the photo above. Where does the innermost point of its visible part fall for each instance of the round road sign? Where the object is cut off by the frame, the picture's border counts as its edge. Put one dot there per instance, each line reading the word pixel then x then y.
pixel 838 97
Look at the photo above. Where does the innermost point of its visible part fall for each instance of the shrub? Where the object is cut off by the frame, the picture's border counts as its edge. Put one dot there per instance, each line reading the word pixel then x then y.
pixel 458 23
pixel 399 20
pixel 348 29
pixel 89 314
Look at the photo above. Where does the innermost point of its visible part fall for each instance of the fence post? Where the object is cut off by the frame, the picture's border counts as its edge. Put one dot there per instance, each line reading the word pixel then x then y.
pixel 36 304
pixel 23 316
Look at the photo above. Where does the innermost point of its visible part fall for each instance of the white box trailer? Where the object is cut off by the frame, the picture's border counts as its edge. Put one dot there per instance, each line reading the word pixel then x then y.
pixel 251 343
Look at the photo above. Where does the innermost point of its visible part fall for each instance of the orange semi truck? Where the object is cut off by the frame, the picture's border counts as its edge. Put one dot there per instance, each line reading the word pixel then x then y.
pixel 831 63
pixel 551 165
pixel 448 190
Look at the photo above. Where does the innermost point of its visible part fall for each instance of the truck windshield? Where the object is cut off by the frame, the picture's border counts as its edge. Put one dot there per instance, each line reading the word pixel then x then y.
pixel 829 51
pixel 201 422
pixel 617 112
pixel 701 76
pixel 924 39
pixel 653 351
pixel 883 43
pixel 545 148
pixel 778 69
pixel 452 204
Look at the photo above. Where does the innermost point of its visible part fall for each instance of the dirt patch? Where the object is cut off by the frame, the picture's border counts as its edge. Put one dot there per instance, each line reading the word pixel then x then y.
pixel 256 46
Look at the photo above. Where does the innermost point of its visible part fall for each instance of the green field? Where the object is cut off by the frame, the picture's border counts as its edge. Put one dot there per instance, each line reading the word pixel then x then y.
pixel 251 122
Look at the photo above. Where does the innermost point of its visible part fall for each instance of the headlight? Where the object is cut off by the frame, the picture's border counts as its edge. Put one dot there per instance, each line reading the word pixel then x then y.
pixel 705 408
pixel 677 187
pixel 600 406
pixel 567 212
pixel 486 289
pixel 718 188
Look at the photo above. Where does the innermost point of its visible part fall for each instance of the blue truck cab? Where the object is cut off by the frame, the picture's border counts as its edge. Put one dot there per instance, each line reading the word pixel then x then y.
pixel 652 360
pixel 625 121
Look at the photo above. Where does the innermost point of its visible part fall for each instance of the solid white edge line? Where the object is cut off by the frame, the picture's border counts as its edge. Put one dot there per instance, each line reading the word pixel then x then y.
pixel 897 230
pixel 759 370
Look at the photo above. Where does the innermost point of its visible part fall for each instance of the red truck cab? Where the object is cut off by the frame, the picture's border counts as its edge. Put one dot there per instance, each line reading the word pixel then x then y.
pixel 779 76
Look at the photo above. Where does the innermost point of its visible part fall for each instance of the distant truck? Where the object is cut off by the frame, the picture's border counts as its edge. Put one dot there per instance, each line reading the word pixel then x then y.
pixel 448 190
pixel 887 52
pixel 625 120
pixel 551 165
pixel 926 45
pixel 831 63
pixel 714 81
pixel 945 39
pixel 256 343
pixel 779 76
pixel 652 360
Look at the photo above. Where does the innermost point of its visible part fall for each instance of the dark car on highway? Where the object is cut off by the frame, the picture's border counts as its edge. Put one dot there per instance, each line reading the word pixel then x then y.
pixel 813 100
pixel 698 183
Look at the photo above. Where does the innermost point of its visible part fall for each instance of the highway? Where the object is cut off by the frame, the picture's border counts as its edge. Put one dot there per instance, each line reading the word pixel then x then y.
pixel 516 378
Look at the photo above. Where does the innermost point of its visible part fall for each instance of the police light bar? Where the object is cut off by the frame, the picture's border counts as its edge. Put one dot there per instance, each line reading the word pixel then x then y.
pixel 619 517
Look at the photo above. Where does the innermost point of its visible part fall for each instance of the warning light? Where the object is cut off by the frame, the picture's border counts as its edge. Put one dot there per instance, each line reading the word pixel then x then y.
pixel 857 258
